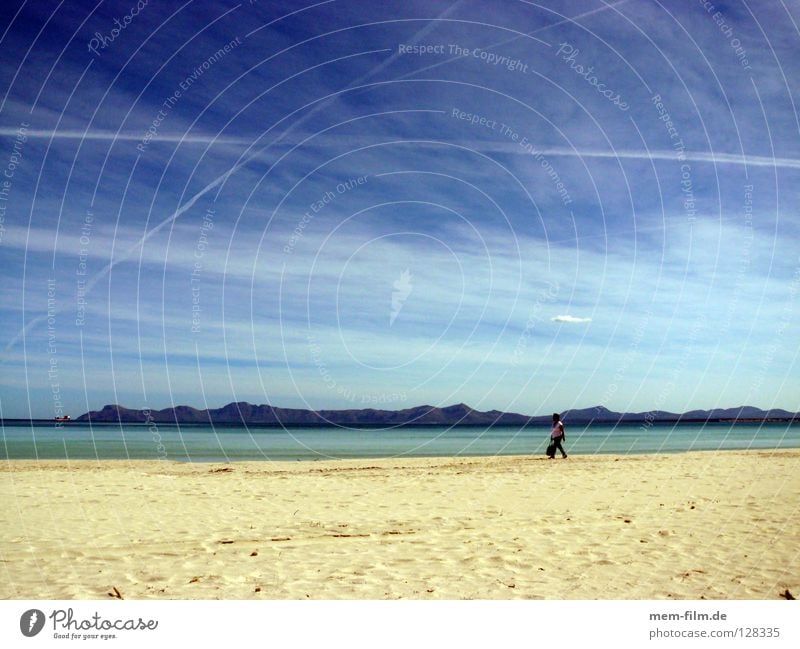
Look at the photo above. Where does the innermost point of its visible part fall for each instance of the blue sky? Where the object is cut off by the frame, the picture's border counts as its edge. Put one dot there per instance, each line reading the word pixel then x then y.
pixel 528 207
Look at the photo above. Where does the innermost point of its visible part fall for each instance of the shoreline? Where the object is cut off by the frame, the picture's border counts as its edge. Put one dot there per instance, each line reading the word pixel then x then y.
pixel 688 525
pixel 409 458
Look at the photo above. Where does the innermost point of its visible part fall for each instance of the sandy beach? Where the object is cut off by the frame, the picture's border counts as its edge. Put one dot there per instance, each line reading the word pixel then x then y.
pixel 721 525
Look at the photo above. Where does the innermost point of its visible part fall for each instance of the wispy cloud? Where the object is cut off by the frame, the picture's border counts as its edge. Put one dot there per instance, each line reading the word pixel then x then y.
pixel 571 319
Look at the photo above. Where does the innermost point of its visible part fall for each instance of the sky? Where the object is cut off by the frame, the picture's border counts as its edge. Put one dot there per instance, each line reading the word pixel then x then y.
pixel 520 206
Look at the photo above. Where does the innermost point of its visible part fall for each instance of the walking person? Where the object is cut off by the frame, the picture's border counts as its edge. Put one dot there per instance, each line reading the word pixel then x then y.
pixel 557 436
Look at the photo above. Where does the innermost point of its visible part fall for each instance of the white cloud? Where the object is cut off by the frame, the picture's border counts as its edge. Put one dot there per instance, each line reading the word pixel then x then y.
pixel 570 319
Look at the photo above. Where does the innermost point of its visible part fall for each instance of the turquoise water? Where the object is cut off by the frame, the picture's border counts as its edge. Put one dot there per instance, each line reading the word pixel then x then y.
pixel 193 443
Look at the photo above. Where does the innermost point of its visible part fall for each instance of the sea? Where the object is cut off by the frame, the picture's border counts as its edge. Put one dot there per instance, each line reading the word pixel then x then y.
pixel 205 443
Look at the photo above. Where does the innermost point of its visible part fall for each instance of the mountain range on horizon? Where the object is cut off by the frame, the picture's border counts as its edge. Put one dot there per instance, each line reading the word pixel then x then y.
pixel 455 415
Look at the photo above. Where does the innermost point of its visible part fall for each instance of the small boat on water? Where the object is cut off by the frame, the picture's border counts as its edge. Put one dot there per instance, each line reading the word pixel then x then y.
pixel 64 418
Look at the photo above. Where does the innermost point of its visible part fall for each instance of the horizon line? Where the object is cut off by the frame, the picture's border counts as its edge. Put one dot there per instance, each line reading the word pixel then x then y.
pixel 599 408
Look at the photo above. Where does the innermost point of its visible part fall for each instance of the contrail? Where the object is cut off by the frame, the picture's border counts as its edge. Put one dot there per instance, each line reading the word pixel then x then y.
pixel 212 185
pixel 692 156
pixel 515 38
pixel 628 154
pixel 414 40
pixel 132 249
pixel 123 137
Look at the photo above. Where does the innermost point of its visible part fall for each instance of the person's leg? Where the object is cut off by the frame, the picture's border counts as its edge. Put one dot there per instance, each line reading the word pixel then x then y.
pixel 561 448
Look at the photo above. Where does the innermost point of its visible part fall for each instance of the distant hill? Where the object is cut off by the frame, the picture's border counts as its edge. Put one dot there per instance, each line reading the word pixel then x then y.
pixel 457 415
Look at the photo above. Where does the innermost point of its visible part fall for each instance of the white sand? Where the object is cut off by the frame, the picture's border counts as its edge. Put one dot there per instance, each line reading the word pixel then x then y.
pixel 712 525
